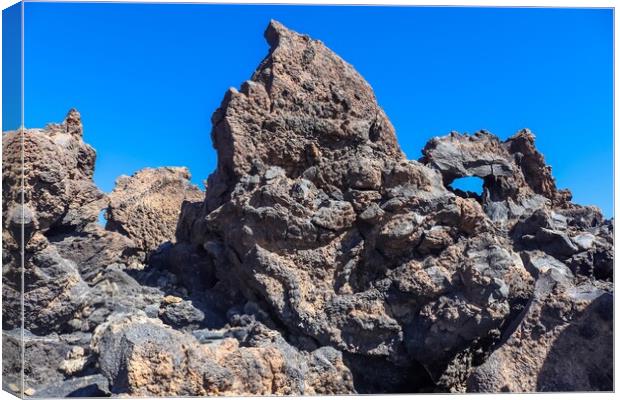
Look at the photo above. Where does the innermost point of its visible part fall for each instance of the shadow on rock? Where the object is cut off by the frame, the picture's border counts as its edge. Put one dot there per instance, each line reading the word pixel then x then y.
pixel 581 358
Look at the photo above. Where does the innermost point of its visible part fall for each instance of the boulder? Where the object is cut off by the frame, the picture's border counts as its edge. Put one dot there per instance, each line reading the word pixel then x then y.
pixel 563 342
pixel 142 357
pixel 146 206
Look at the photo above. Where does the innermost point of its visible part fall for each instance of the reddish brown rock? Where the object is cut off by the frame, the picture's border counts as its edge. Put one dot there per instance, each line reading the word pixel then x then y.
pixel 146 206
pixel 304 110
pixel 58 168
pixel 320 261
pixel 314 210
pixel 562 344
pixel 142 357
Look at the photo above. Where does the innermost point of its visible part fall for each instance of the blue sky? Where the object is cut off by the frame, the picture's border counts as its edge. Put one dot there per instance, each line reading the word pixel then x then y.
pixel 11 67
pixel 147 78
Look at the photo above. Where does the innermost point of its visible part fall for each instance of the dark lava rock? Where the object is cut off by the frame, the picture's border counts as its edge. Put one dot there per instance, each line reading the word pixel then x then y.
pixel 319 261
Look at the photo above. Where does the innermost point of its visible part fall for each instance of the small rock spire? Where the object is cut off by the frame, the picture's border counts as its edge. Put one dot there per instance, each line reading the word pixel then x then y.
pixel 276 31
pixel 73 122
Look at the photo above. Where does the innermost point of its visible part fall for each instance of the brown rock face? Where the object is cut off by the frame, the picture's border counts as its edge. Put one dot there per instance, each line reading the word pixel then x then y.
pixel 314 211
pixel 290 116
pixel 58 169
pixel 565 325
pixel 97 321
pixel 146 206
pixel 58 197
pixel 319 261
pixel 516 178
pixel 155 360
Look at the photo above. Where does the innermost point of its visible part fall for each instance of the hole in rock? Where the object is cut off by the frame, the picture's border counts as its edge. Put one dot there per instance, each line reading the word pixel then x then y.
pixel 468 186
pixel 58 230
pixel 102 220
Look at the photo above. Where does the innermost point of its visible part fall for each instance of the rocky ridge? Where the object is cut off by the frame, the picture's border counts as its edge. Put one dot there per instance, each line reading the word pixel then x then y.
pixel 319 261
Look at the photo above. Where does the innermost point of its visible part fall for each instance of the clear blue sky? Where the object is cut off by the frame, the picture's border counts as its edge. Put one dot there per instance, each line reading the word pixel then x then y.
pixel 146 78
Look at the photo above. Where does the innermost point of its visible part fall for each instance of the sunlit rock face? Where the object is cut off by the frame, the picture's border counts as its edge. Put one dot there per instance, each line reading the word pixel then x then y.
pixel 319 261
pixel 315 212
pixel 146 205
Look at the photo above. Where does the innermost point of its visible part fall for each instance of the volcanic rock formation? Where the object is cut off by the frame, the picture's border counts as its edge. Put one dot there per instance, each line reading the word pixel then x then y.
pixel 319 260
pixel 146 206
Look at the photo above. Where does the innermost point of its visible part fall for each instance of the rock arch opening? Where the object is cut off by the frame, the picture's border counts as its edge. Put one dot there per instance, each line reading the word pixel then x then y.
pixel 102 220
pixel 468 187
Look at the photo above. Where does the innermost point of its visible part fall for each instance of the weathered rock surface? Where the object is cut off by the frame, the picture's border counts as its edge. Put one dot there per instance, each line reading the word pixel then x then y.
pixel 319 261
pixel 63 245
pixel 57 176
pixel 79 278
pixel 516 179
pixel 289 116
pixel 141 356
pixel 146 206
pixel 563 343
pixel 314 210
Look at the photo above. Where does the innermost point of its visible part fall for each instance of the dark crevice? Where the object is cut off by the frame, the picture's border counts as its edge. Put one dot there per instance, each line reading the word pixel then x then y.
pixel 376 374
pixel 114 227
pixel 59 230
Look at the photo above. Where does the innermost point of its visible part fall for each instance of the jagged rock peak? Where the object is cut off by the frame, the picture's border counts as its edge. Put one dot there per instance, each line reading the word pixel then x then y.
pixel 315 212
pixel 303 108
pixel 535 170
pixel 275 31
pixel 72 125
pixel 58 168
pixel 73 122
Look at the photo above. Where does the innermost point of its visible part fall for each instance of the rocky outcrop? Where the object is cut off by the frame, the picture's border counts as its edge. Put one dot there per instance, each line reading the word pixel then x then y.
pixel 143 357
pixel 146 206
pixel 314 210
pixel 516 178
pixel 565 324
pixel 319 261
pixel 289 116
pixel 60 207
pixel 58 192
pixel 80 279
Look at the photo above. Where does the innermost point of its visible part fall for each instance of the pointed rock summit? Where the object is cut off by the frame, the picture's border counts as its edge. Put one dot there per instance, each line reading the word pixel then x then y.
pixel 73 122
pixel 306 111
pixel 319 261
pixel 315 212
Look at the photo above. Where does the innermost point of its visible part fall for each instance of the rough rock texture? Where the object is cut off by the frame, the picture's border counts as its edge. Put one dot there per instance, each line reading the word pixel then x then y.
pixel 565 324
pixel 319 261
pixel 58 168
pixel 81 278
pixel 289 116
pixel 516 178
pixel 141 356
pixel 146 205
pixel 314 210
pixel 63 244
